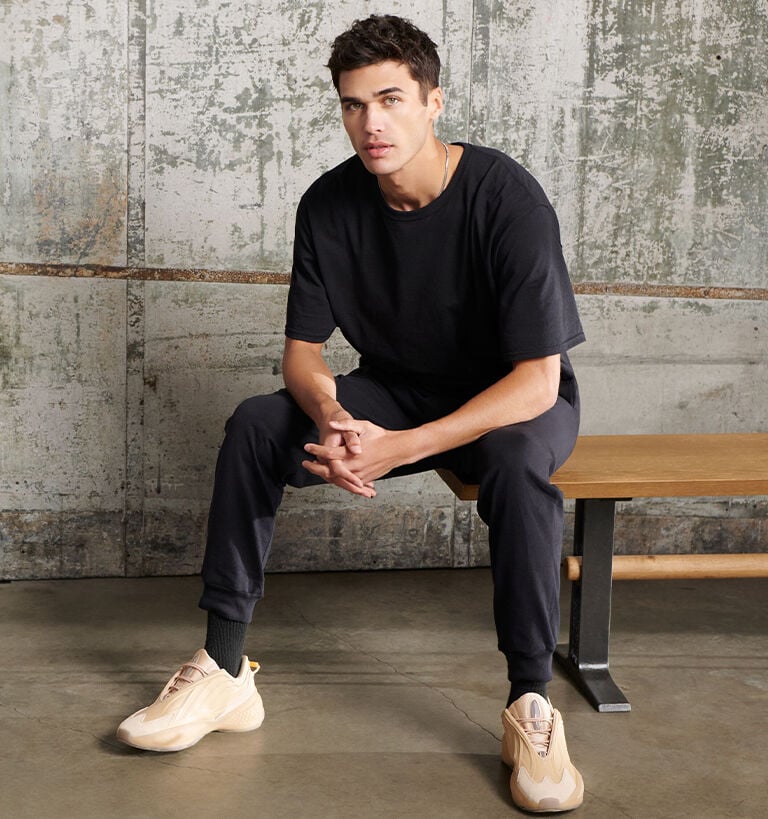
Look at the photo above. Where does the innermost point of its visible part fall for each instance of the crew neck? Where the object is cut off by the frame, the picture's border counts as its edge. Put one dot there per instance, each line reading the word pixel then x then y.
pixel 435 204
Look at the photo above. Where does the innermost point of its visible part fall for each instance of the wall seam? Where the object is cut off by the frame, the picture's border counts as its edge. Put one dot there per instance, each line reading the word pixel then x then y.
pixel 205 276
pixel 133 525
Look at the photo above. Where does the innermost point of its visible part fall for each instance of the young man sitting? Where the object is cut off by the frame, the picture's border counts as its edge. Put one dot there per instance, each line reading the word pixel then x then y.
pixel 442 266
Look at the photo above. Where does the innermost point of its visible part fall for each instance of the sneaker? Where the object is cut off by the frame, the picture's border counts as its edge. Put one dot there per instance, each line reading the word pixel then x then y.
pixel 543 778
pixel 199 698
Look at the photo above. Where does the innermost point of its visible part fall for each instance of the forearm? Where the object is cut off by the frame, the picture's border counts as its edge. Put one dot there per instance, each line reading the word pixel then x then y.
pixel 525 393
pixel 313 387
pixel 309 380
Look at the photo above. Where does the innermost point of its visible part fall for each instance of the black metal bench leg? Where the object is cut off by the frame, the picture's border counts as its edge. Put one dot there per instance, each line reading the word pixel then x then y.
pixel 585 659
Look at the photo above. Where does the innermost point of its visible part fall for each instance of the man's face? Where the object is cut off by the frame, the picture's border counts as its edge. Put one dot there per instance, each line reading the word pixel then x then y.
pixel 385 116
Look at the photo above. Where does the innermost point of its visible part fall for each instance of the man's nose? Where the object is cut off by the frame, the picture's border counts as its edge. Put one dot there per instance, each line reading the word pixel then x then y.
pixel 374 121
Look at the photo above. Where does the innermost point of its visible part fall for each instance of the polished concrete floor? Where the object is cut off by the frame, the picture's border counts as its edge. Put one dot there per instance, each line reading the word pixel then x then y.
pixel 383 692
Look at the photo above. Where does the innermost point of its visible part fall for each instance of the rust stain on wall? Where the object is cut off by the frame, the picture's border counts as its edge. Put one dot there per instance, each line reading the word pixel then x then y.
pixel 586 288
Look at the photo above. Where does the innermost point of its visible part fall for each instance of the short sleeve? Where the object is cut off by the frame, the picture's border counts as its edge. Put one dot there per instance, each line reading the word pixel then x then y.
pixel 537 308
pixel 309 316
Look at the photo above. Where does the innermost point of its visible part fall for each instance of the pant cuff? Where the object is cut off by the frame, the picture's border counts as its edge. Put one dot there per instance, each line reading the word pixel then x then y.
pixel 525 667
pixel 230 605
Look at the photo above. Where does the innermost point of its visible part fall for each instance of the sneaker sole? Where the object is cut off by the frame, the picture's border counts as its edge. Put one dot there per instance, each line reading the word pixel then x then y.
pixel 246 717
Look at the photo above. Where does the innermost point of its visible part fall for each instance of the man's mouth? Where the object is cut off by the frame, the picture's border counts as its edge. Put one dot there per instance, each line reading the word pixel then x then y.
pixel 377 149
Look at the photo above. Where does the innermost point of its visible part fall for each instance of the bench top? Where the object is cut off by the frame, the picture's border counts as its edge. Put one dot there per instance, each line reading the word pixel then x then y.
pixel 647 466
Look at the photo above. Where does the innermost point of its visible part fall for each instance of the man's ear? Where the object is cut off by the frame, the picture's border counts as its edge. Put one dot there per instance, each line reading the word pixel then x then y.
pixel 435 102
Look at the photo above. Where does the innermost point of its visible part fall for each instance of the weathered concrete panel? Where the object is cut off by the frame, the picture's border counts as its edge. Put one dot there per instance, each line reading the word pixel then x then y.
pixel 673 133
pixel 62 131
pixel 62 421
pixel 673 365
pixel 527 89
pixel 241 117
pixel 362 536
pixel 57 543
pixel 206 348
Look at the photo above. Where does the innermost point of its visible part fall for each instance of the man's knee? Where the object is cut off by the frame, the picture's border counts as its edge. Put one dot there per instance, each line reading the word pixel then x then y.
pixel 516 451
pixel 537 447
pixel 273 418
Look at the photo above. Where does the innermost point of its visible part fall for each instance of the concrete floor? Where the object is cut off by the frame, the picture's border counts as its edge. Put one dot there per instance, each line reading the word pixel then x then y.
pixel 383 692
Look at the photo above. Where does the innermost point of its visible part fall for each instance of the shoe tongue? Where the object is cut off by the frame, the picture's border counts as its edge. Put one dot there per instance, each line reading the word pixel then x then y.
pixel 205 661
pixel 535 715
pixel 201 665
pixel 531 706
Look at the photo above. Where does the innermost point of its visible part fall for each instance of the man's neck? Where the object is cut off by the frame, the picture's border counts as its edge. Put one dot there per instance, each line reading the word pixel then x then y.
pixel 412 188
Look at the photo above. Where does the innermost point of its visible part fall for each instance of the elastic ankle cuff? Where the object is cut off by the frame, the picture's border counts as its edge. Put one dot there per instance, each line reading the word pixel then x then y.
pixel 228 604
pixel 523 667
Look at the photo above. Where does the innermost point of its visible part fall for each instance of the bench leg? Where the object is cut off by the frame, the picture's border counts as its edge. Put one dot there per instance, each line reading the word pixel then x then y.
pixel 585 658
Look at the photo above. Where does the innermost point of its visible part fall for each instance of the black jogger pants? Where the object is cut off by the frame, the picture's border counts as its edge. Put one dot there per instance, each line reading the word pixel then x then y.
pixel 262 453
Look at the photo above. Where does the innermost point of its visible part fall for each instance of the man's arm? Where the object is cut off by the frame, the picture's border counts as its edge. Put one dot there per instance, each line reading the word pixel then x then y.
pixel 525 393
pixel 522 395
pixel 309 381
pixel 312 385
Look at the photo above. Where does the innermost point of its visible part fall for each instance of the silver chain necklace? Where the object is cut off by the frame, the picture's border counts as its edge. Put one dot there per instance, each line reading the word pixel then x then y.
pixel 445 171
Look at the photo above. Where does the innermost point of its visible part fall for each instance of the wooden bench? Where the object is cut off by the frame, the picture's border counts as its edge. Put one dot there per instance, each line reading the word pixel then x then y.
pixel 604 469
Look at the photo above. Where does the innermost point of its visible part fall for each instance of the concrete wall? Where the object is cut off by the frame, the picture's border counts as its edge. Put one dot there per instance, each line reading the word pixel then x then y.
pixel 151 158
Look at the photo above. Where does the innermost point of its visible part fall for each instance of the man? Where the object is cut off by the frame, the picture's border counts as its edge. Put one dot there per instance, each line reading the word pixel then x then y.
pixel 442 266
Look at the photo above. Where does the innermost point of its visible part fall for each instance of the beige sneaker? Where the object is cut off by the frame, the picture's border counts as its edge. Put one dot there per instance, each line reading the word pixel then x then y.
pixel 199 698
pixel 543 778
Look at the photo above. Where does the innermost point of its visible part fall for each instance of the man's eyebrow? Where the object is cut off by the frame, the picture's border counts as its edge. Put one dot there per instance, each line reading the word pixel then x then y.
pixel 383 93
pixel 393 90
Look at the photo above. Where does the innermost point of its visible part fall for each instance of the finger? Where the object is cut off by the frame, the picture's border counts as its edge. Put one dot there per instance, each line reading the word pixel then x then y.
pixel 342 477
pixel 356 488
pixel 332 473
pixel 361 491
pixel 347 424
pixel 338 469
pixel 326 453
pixel 319 469
pixel 352 440
pixel 351 431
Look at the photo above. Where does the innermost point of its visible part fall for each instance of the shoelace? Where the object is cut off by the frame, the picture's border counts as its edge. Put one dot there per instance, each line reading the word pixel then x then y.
pixel 183 678
pixel 539 731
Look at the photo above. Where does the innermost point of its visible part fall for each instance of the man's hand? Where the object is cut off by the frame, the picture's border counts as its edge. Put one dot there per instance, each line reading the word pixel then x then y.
pixel 338 432
pixel 378 452
pixel 339 442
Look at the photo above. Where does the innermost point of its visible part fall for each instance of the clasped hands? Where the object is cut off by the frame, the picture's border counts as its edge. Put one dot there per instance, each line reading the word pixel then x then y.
pixel 352 454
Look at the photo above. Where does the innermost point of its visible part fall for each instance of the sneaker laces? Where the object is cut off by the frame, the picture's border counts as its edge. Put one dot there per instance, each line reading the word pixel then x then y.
pixel 537 726
pixel 189 672
pixel 201 665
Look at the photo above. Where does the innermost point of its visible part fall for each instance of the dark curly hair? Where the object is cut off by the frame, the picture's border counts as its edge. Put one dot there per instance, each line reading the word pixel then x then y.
pixel 383 37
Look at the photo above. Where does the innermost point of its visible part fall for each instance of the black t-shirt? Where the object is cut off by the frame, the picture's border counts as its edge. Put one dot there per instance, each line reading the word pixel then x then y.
pixel 448 296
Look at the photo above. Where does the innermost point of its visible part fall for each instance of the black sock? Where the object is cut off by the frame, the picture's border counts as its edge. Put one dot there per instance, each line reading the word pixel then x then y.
pixel 520 687
pixel 224 642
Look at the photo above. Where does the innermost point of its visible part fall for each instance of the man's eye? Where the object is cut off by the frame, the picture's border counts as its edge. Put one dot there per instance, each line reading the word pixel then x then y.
pixel 353 106
pixel 392 100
